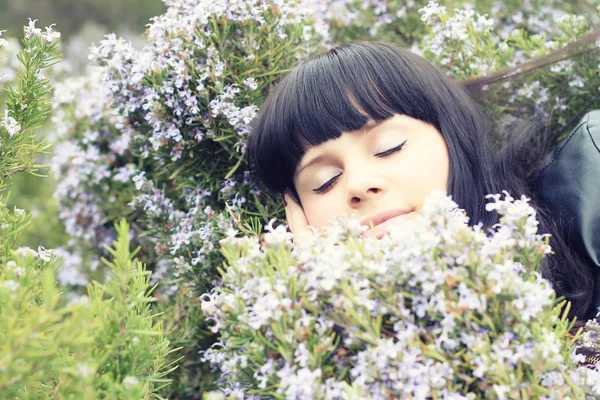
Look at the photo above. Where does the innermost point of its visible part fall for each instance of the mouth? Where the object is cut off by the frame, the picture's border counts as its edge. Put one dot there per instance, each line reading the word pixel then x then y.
pixel 384 216
pixel 382 222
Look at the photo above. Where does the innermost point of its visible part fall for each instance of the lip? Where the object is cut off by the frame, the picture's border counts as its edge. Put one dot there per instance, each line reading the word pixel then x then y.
pixel 387 222
pixel 383 216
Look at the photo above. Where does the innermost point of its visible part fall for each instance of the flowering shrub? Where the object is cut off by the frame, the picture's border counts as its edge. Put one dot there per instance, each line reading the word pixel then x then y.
pixel 158 134
pixel 28 105
pixel 106 345
pixel 94 168
pixel 175 128
pixel 436 310
pixel 469 45
pixel 400 22
pixel 160 139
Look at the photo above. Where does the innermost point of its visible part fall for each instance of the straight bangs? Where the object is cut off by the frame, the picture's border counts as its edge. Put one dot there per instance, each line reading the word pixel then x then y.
pixel 334 92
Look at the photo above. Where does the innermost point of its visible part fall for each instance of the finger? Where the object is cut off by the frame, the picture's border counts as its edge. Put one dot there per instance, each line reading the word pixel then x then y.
pixel 296 219
pixel 295 216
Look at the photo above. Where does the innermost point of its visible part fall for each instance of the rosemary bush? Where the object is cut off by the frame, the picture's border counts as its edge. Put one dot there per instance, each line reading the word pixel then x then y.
pixel 157 135
pixel 108 344
pixel 468 45
pixel 400 21
pixel 436 310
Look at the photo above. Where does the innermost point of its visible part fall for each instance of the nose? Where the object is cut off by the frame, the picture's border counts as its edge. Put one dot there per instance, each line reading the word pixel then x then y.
pixel 363 186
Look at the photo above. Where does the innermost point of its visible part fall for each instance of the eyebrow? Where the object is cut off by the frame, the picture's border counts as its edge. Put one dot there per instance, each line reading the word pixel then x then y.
pixel 317 159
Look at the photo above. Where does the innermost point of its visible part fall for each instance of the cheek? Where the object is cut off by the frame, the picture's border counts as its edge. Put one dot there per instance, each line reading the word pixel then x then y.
pixel 423 172
pixel 319 211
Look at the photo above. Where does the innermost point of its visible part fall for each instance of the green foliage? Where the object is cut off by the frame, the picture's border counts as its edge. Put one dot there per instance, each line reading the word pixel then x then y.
pixel 436 310
pixel 399 21
pixel 166 127
pixel 35 193
pixel 27 106
pixel 107 345
pixel 469 46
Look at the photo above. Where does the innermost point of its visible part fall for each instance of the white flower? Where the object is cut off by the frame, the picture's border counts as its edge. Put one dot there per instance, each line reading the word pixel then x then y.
pixel 44 254
pixel 11 285
pixel 50 36
pixel 142 183
pixel 24 252
pixel 31 30
pixel 300 384
pixel 577 82
pixel 130 381
pixel 277 236
pixel 3 42
pixel 432 9
pixel 84 370
pixel 483 24
pixel 10 124
pixel 251 83
pixel 501 391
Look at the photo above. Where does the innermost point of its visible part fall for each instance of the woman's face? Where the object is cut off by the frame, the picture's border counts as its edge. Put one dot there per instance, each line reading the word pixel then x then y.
pixel 386 169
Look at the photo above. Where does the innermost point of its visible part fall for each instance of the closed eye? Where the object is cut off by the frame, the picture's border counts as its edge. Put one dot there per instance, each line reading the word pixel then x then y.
pixel 393 150
pixel 327 185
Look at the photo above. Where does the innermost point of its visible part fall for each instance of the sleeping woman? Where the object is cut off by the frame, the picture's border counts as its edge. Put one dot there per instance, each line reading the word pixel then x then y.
pixel 368 129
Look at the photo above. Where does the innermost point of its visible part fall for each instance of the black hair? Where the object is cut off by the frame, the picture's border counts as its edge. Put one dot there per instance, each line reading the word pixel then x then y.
pixel 340 90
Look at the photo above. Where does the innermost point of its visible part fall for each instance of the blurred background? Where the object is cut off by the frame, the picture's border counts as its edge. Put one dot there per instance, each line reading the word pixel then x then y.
pixel 72 17
pixel 81 23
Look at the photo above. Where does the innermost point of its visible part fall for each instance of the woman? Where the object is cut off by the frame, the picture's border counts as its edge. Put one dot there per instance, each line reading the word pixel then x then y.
pixel 370 129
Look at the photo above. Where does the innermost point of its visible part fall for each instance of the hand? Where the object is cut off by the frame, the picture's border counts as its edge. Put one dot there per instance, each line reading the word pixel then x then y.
pixel 296 220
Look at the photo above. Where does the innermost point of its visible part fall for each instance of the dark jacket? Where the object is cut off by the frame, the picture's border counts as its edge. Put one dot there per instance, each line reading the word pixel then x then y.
pixel 569 184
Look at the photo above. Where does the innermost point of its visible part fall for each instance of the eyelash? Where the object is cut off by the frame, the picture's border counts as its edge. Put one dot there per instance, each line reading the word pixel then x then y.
pixel 392 151
pixel 385 154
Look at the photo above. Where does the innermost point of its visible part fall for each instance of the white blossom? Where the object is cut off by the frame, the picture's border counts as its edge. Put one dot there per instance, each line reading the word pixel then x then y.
pixel 49 35
pixel 3 42
pixel 31 30
pixel 10 124
pixel 130 381
pixel 11 285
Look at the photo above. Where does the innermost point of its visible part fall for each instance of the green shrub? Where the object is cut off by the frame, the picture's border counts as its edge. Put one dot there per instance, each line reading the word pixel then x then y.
pixel 109 344
pixel 436 310
pixel 158 135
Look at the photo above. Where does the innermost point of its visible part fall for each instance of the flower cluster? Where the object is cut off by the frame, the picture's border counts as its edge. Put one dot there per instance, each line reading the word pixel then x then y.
pixel 468 44
pixel 49 35
pixel 188 237
pixel 178 110
pixel 10 124
pixel 435 310
pixel 158 135
pixel 161 131
pixel 92 164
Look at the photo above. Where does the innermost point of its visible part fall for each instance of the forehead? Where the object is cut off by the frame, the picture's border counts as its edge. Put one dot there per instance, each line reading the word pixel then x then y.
pixel 403 123
pixel 315 154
